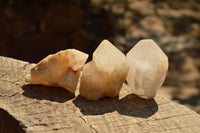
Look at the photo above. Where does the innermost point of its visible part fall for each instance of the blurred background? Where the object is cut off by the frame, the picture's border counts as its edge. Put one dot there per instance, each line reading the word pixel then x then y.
pixel 32 29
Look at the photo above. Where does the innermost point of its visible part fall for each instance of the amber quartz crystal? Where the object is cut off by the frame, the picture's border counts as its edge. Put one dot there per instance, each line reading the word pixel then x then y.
pixel 61 69
pixel 105 74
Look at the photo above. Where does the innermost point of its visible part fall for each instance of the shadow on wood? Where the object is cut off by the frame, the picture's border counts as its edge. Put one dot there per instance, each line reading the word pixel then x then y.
pixel 8 124
pixel 55 94
pixel 130 105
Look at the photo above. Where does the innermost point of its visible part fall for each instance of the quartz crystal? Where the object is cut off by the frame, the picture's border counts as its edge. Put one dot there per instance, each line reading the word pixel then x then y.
pixel 61 69
pixel 105 74
pixel 148 66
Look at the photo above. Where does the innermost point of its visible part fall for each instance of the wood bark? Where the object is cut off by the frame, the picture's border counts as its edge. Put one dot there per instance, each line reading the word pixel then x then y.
pixel 40 109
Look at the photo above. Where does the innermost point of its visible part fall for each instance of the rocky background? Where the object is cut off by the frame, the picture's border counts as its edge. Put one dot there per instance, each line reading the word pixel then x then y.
pixel 32 29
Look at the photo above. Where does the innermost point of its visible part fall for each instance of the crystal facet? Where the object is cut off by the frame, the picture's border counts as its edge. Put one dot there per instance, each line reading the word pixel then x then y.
pixel 61 69
pixel 148 66
pixel 105 74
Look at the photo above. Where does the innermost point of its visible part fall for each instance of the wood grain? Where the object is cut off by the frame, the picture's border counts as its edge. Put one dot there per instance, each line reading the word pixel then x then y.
pixel 38 109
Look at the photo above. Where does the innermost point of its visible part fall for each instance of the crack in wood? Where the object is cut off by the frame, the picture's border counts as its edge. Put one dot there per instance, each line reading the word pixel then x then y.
pixel 188 127
pixel 171 116
pixel 28 104
pixel 13 94
pixel 83 119
pixel 39 124
pixel 7 81
pixel 94 129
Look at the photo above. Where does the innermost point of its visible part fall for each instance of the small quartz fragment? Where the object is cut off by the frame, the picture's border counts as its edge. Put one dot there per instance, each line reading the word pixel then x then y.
pixel 105 74
pixel 148 66
pixel 61 69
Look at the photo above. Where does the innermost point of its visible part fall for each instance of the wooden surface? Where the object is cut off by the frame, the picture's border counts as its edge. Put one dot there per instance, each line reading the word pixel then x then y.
pixel 38 109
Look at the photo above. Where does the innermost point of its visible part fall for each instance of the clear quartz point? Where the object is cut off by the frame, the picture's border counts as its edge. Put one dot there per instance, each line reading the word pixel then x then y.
pixel 148 66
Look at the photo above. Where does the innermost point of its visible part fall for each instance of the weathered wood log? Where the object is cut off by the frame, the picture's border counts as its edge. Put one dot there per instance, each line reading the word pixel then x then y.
pixel 35 108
